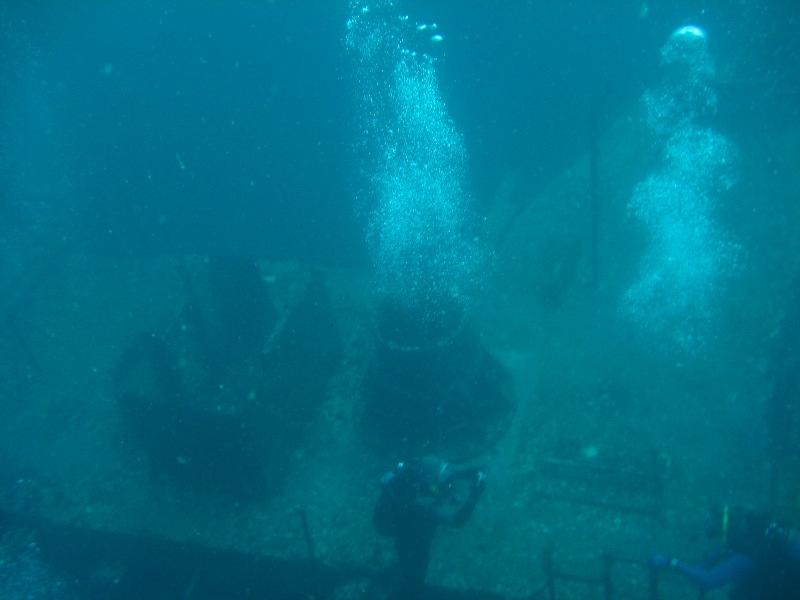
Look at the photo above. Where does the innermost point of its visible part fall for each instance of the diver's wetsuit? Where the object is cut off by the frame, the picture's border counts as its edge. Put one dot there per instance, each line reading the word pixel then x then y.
pixel 768 571
pixel 416 498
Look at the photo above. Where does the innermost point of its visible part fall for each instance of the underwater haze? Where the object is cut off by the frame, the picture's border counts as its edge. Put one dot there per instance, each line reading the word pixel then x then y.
pixel 261 260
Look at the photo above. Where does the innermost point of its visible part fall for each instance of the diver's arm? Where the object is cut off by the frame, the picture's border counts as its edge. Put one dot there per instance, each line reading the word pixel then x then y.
pixel 463 473
pixel 794 548
pixel 729 571
pixel 458 515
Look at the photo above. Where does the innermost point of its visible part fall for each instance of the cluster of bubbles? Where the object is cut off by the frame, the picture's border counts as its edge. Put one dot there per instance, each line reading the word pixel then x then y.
pixel 689 255
pixel 23 573
pixel 685 95
pixel 422 254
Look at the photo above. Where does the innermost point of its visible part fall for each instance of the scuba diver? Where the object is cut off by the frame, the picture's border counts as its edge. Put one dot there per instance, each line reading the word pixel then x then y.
pixel 416 497
pixel 760 558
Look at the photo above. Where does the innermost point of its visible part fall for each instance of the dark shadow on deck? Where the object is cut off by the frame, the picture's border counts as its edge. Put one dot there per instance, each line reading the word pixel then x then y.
pixel 120 566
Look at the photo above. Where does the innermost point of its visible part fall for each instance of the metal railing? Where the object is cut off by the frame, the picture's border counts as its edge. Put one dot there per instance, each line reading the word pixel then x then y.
pixel 603 581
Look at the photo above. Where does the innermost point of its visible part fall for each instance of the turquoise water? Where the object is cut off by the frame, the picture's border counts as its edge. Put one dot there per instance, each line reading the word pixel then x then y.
pixel 254 253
